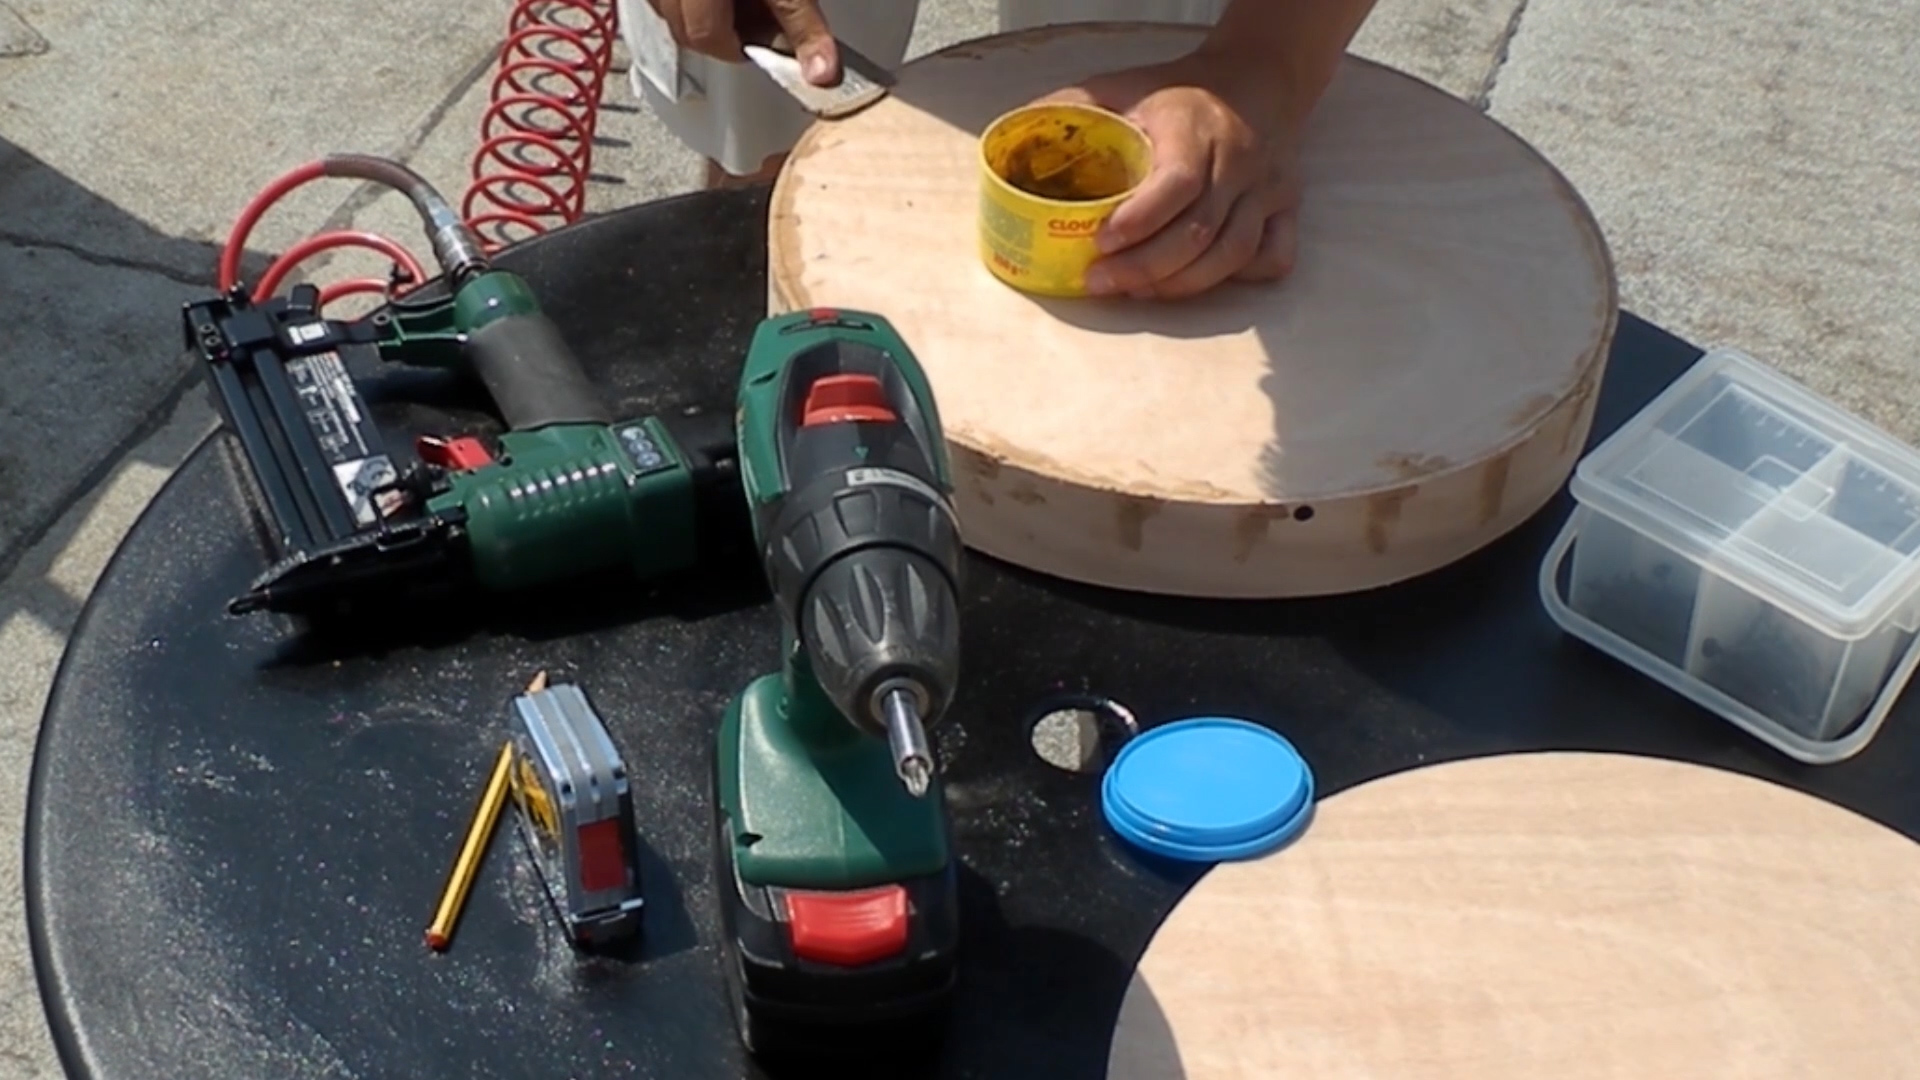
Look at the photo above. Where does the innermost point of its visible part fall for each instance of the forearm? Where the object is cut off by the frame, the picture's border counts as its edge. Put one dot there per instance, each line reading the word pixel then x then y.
pixel 1298 44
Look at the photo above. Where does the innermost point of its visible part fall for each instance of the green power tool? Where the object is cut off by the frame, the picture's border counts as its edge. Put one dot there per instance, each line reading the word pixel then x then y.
pixel 836 867
pixel 568 488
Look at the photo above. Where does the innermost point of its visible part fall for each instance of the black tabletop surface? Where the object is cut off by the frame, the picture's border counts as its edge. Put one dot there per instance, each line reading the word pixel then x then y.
pixel 236 837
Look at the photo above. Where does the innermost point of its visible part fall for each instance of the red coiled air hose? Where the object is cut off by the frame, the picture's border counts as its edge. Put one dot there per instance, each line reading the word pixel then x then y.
pixel 530 172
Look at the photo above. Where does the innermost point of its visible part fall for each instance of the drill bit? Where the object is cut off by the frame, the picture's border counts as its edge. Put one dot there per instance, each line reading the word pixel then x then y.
pixel 911 757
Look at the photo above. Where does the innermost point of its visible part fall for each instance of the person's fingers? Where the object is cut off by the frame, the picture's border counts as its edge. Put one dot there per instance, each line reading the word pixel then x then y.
pixel 806 29
pixel 1280 239
pixel 670 13
pixel 708 25
pixel 1279 248
pixel 1236 244
pixel 1176 181
pixel 1187 234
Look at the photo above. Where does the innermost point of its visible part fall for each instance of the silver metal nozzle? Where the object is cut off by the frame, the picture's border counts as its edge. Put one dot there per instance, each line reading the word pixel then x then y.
pixel 912 758
pixel 456 246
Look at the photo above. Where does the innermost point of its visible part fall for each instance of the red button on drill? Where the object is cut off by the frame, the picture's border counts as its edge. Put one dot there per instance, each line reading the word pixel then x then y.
pixel 456 455
pixel 836 399
pixel 848 928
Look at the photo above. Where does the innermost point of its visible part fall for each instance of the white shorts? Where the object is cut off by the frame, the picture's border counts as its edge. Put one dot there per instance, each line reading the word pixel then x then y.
pixel 733 115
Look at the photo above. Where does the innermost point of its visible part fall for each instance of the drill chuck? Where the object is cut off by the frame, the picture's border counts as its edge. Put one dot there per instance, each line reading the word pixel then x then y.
pixel 871 573
pixel 881 622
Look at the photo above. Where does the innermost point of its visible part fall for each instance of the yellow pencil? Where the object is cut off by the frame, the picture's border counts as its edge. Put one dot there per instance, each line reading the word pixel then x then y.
pixel 464 868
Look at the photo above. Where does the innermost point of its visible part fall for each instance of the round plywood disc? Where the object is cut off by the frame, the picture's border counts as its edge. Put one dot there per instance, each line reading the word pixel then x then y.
pixel 1422 383
pixel 1544 915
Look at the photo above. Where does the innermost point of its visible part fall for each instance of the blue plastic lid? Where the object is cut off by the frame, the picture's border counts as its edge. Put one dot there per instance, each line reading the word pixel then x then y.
pixel 1209 789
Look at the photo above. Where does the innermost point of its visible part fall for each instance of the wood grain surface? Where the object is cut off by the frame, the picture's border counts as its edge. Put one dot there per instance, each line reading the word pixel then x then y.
pixel 1420 384
pixel 1565 916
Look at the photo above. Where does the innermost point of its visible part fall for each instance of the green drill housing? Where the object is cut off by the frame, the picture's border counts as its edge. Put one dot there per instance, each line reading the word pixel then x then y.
pixel 818 819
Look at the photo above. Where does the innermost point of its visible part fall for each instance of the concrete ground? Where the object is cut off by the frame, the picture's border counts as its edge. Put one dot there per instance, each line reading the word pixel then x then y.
pixel 1753 163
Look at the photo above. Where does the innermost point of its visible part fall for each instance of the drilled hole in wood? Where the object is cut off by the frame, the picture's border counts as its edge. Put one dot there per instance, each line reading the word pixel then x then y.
pixel 1082 734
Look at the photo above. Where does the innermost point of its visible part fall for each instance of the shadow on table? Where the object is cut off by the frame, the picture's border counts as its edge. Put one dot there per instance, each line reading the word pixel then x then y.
pixel 1035 980
pixel 726 584
pixel 1144 1046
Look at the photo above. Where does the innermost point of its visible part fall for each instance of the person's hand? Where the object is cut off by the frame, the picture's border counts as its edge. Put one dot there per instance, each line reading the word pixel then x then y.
pixel 1221 199
pixel 714 27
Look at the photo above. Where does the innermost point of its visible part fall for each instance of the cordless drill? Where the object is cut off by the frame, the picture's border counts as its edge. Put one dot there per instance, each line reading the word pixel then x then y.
pixel 838 879
pixel 567 489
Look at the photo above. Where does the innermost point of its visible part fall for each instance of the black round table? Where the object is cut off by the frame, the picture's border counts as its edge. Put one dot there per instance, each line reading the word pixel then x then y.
pixel 236 836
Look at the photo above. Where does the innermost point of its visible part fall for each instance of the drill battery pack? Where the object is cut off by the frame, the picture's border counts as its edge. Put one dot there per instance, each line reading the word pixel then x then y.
pixel 575 814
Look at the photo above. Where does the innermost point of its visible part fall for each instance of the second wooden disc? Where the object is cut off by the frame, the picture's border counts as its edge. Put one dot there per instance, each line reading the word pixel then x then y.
pixel 1551 915
pixel 1422 383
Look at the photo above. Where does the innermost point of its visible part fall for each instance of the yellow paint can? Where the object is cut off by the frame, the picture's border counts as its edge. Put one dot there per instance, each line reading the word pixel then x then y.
pixel 1050 175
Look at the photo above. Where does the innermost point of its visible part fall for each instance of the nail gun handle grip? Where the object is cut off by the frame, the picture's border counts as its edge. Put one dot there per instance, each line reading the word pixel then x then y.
pixel 532 374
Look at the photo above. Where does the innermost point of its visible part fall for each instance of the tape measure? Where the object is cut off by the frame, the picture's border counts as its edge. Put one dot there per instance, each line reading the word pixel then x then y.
pixel 575 814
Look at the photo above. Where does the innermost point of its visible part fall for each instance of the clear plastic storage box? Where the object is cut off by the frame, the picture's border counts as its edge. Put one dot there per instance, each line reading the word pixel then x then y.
pixel 1754 547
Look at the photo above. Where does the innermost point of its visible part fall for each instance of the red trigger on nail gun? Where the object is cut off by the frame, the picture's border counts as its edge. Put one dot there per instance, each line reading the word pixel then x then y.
pixel 455 455
pixel 836 399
